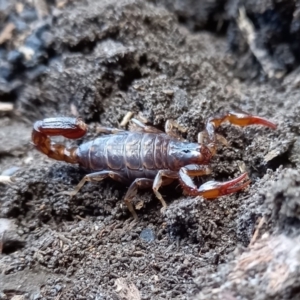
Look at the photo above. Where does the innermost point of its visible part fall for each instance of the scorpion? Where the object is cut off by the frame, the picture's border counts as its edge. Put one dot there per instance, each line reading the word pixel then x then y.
pixel 144 156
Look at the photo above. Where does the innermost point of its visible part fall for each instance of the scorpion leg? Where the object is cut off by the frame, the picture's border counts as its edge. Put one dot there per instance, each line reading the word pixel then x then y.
pixel 212 189
pixel 132 191
pixel 220 138
pixel 137 125
pixel 159 181
pixel 108 130
pixel 189 171
pixel 170 129
pixel 97 176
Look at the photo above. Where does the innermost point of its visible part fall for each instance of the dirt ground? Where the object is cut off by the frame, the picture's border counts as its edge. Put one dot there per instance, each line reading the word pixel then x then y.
pixel 184 60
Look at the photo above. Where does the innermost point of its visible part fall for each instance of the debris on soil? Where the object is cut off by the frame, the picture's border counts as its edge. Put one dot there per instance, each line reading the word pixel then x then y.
pixel 10 241
pixel 126 118
pixel 6 33
pixel 283 200
pixel 269 269
pixel 147 235
pixel 126 290
pixel 5 179
pixel 5 107
pixel 261 54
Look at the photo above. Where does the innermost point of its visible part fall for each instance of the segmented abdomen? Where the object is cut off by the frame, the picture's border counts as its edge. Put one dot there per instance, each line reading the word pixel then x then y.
pixel 132 154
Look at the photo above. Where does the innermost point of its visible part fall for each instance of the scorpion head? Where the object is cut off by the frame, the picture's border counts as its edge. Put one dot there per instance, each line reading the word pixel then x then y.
pixel 200 154
pixel 182 154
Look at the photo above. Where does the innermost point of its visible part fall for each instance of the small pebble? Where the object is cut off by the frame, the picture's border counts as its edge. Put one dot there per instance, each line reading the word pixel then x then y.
pixel 28 15
pixel 147 235
pixel 10 171
pixel 3 296
pixel 14 56
pixel 58 287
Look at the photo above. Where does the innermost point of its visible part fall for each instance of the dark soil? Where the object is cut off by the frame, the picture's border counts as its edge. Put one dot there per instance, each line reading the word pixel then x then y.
pixel 158 60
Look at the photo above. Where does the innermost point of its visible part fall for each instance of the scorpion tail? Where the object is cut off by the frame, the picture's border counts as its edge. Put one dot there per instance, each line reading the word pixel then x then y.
pixel 72 128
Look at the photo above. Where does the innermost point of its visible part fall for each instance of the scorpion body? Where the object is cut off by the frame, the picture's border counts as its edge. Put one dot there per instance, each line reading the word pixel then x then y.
pixel 143 157
pixel 140 155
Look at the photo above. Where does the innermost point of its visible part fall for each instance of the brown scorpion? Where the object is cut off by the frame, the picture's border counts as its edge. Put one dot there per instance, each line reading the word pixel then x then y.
pixel 145 156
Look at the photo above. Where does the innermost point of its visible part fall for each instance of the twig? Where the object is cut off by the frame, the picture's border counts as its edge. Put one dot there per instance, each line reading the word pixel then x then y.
pixel 256 232
pixel 6 33
pixel 41 8
pixel 6 106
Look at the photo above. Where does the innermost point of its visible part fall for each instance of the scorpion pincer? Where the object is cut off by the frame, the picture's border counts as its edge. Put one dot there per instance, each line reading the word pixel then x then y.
pixel 143 157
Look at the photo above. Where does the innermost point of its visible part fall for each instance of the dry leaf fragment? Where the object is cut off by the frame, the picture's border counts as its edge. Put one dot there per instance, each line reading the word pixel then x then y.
pixel 127 290
pixel 6 106
pixel 6 33
pixel 5 179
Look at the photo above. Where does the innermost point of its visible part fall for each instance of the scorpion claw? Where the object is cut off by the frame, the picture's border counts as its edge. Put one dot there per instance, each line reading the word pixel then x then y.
pixel 244 119
pixel 214 189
